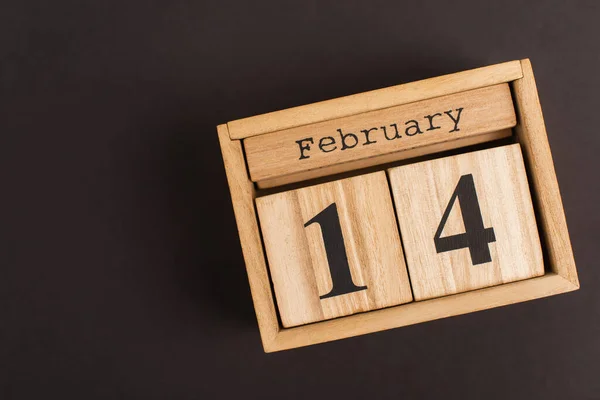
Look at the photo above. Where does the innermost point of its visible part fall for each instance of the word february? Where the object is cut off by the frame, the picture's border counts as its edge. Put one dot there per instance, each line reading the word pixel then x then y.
pixel 380 136
pixel 446 121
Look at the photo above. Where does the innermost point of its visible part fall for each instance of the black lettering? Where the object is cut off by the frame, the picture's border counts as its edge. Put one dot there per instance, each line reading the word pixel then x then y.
pixel 367 140
pixel 344 136
pixel 396 136
pixel 415 126
pixel 302 147
pixel 430 118
pixel 449 113
pixel 330 142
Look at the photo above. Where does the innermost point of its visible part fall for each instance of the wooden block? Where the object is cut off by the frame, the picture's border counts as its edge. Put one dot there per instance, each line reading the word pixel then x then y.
pixel 387 158
pixel 467 221
pixel 333 249
pixel 372 138
pixel 375 100
pixel 560 272
pixel 531 134
pixel 242 197
pixel 422 311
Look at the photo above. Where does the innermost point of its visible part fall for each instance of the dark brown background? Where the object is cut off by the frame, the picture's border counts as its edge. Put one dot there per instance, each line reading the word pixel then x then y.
pixel 121 275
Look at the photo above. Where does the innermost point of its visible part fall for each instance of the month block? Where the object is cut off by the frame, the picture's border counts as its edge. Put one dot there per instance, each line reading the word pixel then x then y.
pixel 334 249
pixel 382 136
pixel 467 221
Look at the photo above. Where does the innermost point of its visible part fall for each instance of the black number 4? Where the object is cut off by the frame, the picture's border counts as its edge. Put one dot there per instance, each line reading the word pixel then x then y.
pixel 476 237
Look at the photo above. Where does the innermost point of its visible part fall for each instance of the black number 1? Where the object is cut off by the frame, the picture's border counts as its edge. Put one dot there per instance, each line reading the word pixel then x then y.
pixel 333 240
pixel 476 237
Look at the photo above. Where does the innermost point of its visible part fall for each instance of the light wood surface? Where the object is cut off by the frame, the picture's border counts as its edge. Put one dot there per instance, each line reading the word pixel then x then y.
pixel 375 100
pixel 531 133
pixel 381 136
pixel 386 158
pixel 422 311
pixel 298 261
pixel 242 197
pixel 422 193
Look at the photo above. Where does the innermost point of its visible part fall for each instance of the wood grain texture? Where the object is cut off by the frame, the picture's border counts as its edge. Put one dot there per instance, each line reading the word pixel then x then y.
pixel 422 193
pixel 375 100
pixel 422 311
pixel 531 133
pixel 381 136
pixel 386 158
pixel 298 262
pixel 242 197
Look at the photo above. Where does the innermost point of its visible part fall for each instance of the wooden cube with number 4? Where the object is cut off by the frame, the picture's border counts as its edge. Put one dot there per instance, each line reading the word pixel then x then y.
pixel 467 221
pixel 334 249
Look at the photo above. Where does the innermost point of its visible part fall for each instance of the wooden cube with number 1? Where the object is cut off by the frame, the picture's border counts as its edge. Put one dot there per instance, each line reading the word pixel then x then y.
pixel 334 249
pixel 467 221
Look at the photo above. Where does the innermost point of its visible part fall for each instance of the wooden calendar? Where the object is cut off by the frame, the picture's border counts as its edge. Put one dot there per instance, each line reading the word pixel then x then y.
pixel 398 206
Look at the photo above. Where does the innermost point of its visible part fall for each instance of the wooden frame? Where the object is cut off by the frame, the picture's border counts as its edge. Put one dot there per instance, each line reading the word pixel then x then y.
pixel 530 132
